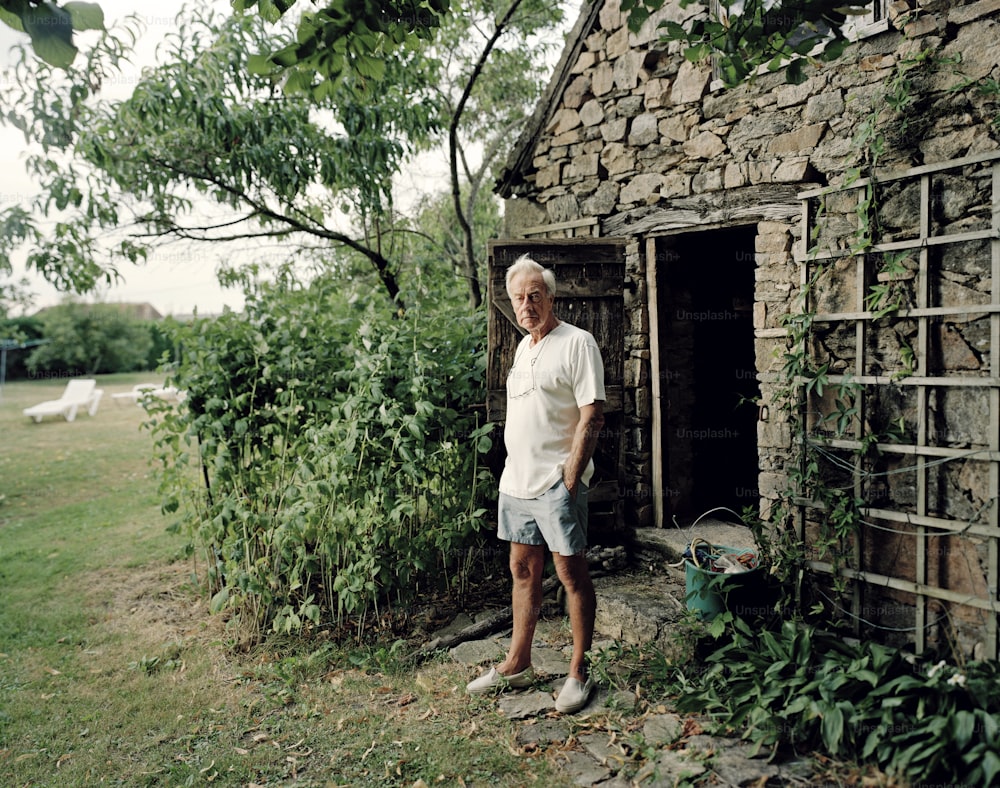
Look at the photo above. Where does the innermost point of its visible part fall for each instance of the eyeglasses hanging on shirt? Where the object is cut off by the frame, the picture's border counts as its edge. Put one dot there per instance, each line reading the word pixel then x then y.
pixel 521 379
pixel 521 382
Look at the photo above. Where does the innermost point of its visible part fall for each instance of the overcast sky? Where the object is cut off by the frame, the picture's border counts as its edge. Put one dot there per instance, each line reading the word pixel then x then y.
pixel 177 279
pixel 173 281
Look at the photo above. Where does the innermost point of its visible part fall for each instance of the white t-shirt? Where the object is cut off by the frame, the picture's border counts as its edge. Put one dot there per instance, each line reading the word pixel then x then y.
pixel 546 387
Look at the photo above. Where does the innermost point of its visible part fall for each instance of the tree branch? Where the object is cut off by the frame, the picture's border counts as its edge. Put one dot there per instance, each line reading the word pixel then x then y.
pixel 260 209
pixel 475 291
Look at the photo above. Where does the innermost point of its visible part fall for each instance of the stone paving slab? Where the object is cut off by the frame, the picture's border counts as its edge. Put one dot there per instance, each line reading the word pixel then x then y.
pixel 583 769
pixel 543 732
pixel 477 652
pixel 668 769
pixel 661 729
pixel 526 704
pixel 640 607
pixel 604 750
pixel 592 758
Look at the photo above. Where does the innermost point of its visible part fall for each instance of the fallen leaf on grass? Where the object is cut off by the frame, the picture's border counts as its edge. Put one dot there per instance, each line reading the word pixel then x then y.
pixel 53 671
pixel 431 712
pixel 691 728
pixel 62 759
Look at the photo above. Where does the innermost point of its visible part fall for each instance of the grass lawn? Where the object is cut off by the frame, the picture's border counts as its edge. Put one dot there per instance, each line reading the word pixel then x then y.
pixel 113 672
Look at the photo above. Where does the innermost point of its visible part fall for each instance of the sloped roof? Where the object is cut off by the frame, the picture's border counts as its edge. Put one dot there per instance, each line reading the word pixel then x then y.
pixel 521 154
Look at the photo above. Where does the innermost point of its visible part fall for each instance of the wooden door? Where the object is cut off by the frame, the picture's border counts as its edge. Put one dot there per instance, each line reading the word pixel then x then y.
pixel 590 279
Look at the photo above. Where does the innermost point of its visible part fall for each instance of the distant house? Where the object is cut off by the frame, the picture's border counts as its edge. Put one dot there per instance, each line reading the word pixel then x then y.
pixel 143 311
pixel 686 221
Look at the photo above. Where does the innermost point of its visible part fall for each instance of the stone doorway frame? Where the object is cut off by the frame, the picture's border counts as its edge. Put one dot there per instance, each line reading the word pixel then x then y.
pixel 659 276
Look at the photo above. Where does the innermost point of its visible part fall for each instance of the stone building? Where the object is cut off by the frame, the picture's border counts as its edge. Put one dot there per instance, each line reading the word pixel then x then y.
pixel 785 274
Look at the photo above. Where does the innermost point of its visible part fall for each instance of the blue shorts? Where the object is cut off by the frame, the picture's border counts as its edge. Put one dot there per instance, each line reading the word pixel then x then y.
pixel 552 518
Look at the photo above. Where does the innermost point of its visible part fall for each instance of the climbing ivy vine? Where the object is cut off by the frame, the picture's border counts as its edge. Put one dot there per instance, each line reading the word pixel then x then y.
pixel 823 408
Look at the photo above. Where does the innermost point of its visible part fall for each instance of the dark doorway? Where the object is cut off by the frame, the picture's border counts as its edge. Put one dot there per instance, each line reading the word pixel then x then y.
pixel 709 388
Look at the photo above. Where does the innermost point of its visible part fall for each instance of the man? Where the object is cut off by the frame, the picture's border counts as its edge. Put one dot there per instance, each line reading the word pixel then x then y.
pixel 555 400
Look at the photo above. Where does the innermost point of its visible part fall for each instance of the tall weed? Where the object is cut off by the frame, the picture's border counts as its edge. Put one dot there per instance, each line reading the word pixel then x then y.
pixel 338 452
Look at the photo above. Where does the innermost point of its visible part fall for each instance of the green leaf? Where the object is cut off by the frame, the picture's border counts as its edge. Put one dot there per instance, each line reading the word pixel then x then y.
pixel 963 725
pixel 991 766
pixel 219 600
pixel 11 19
pixel 867 675
pixel 832 729
pixel 261 65
pixel 51 32
pixel 85 16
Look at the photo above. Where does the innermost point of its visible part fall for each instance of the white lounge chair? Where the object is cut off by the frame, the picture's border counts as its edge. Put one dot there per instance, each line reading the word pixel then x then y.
pixel 143 392
pixel 79 393
pixel 139 390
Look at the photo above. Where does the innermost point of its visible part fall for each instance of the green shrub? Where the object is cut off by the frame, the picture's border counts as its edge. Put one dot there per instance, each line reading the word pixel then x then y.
pixel 340 453
pixel 809 689
pixel 90 339
pixel 162 349
pixel 19 335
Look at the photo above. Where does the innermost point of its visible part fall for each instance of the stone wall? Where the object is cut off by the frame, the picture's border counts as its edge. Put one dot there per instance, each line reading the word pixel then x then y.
pixel 642 140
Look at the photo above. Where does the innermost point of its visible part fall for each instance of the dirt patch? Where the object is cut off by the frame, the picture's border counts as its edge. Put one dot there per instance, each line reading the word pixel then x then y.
pixel 157 604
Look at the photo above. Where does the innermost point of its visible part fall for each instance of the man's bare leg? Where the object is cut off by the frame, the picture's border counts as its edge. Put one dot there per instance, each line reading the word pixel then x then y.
pixel 582 604
pixel 527 563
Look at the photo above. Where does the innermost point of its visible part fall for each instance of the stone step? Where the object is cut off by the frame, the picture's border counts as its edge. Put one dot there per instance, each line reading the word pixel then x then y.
pixel 639 607
pixel 671 542
pixel 644 606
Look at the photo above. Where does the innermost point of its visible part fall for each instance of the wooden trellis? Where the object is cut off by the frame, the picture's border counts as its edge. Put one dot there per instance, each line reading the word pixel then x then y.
pixel 925 565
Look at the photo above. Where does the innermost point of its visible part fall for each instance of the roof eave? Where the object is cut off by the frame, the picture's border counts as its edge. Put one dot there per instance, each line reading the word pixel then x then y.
pixel 521 155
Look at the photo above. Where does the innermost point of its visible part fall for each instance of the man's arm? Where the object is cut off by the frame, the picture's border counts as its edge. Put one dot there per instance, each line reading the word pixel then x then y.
pixel 588 429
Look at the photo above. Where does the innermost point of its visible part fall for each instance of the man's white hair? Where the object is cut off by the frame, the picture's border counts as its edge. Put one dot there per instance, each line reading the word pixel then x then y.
pixel 525 265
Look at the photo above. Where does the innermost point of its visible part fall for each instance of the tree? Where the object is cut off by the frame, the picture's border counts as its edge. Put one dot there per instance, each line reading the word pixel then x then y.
pixel 345 39
pixel 90 339
pixel 313 169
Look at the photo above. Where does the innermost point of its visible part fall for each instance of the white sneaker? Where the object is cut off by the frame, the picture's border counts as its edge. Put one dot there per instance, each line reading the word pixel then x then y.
pixel 492 679
pixel 574 695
